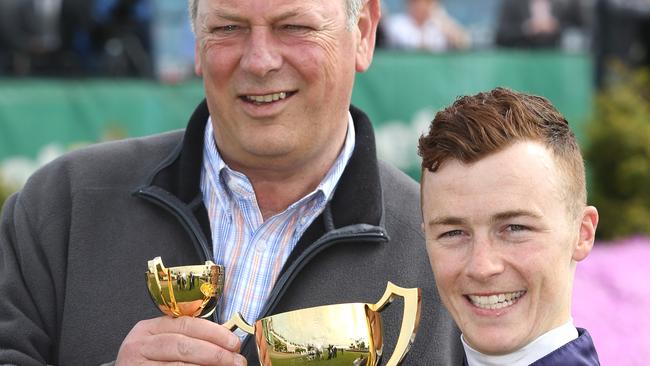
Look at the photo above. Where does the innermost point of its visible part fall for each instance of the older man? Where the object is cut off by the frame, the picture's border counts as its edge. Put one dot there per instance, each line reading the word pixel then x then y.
pixel 506 222
pixel 275 177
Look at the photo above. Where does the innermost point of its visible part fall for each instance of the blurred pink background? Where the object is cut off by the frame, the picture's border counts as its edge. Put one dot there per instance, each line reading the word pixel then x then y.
pixel 612 300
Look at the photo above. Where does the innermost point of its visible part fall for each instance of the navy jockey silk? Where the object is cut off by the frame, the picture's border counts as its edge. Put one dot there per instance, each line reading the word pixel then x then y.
pixel 578 352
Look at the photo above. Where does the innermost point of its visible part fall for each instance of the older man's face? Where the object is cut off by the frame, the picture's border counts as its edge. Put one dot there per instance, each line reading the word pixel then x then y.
pixel 278 76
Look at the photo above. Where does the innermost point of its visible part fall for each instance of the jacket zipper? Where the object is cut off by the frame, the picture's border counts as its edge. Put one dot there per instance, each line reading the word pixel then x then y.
pixel 369 233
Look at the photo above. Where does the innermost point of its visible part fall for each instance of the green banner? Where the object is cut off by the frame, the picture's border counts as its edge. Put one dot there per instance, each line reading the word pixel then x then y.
pixel 401 92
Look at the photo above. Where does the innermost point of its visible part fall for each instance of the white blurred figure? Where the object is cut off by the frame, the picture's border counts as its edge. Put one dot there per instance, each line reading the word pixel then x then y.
pixel 426 26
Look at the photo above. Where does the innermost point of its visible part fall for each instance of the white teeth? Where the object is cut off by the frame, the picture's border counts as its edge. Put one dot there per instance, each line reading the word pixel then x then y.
pixel 495 301
pixel 268 98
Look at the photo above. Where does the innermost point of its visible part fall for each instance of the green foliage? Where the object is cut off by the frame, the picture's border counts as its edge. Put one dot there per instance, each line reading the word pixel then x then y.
pixel 5 191
pixel 618 156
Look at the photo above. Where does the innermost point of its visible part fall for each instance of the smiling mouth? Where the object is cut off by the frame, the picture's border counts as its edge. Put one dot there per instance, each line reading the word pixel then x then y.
pixel 267 98
pixel 497 301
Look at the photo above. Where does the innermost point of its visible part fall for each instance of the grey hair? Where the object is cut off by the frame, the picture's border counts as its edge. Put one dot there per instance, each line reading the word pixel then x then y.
pixel 352 9
pixel 193 6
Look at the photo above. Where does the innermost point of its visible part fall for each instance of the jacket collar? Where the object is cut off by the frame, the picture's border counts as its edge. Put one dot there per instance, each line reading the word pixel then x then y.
pixel 180 172
pixel 357 198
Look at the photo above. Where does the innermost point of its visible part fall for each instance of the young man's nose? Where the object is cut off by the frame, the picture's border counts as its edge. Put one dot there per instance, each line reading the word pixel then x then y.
pixel 484 261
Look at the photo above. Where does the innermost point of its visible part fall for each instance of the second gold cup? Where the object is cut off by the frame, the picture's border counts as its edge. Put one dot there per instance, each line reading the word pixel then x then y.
pixel 338 335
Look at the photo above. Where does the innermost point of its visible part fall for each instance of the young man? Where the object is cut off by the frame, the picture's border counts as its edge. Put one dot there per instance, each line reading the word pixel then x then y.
pixel 275 177
pixel 505 222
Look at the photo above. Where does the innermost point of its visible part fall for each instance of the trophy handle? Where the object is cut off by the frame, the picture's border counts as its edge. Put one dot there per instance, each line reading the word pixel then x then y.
pixel 237 321
pixel 410 320
pixel 153 269
pixel 156 266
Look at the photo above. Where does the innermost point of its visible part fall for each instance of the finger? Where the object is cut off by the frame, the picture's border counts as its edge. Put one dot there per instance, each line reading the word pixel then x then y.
pixel 196 328
pixel 175 347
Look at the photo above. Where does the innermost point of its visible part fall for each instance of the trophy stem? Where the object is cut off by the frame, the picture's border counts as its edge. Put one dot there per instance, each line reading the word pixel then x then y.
pixel 237 321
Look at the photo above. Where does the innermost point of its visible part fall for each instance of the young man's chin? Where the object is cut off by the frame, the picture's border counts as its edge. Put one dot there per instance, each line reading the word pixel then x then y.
pixel 493 341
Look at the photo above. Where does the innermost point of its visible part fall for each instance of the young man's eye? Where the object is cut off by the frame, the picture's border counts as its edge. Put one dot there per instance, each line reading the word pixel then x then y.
pixel 451 234
pixel 516 227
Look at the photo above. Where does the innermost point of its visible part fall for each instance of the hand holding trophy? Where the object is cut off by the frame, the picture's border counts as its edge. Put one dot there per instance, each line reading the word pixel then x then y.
pixel 185 295
pixel 340 334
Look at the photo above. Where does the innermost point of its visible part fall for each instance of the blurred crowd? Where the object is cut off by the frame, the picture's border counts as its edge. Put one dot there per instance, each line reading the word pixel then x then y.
pixel 428 25
pixel 76 38
pixel 134 38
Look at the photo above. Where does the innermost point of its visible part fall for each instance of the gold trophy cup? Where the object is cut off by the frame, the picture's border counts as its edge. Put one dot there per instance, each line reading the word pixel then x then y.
pixel 187 290
pixel 342 334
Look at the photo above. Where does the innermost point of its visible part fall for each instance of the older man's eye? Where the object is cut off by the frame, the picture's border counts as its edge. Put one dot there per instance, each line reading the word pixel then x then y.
pixel 229 28
pixel 295 28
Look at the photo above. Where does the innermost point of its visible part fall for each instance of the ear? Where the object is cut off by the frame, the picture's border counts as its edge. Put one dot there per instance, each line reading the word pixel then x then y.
pixel 198 68
pixel 367 27
pixel 588 226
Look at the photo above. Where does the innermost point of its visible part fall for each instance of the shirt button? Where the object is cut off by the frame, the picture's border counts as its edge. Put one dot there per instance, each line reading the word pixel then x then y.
pixel 260 246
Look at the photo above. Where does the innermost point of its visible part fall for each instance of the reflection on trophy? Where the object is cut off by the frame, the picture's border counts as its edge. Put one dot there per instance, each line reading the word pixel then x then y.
pixel 187 290
pixel 342 334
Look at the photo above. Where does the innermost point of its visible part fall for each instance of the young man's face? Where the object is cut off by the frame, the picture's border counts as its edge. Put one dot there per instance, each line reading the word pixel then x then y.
pixel 503 246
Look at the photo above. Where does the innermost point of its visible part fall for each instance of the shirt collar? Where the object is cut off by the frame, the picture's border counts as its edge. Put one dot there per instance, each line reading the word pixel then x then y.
pixel 540 347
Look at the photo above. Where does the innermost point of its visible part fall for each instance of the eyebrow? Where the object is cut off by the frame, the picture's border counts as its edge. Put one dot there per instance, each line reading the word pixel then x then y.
pixel 447 220
pixel 287 15
pixel 501 216
pixel 232 17
pixel 223 15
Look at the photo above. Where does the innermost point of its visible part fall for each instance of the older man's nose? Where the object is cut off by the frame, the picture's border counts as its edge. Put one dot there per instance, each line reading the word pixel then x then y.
pixel 261 54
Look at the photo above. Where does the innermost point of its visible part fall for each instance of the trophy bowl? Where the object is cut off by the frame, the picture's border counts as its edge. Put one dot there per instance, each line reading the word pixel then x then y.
pixel 340 334
pixel 187 290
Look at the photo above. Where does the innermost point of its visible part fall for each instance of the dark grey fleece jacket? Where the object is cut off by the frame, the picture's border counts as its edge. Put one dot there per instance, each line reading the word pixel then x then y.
pixel 74 244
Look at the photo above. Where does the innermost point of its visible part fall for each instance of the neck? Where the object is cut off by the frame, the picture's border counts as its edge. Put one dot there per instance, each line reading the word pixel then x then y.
pixel 275 192
pixel 279 184
pixel 538 348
